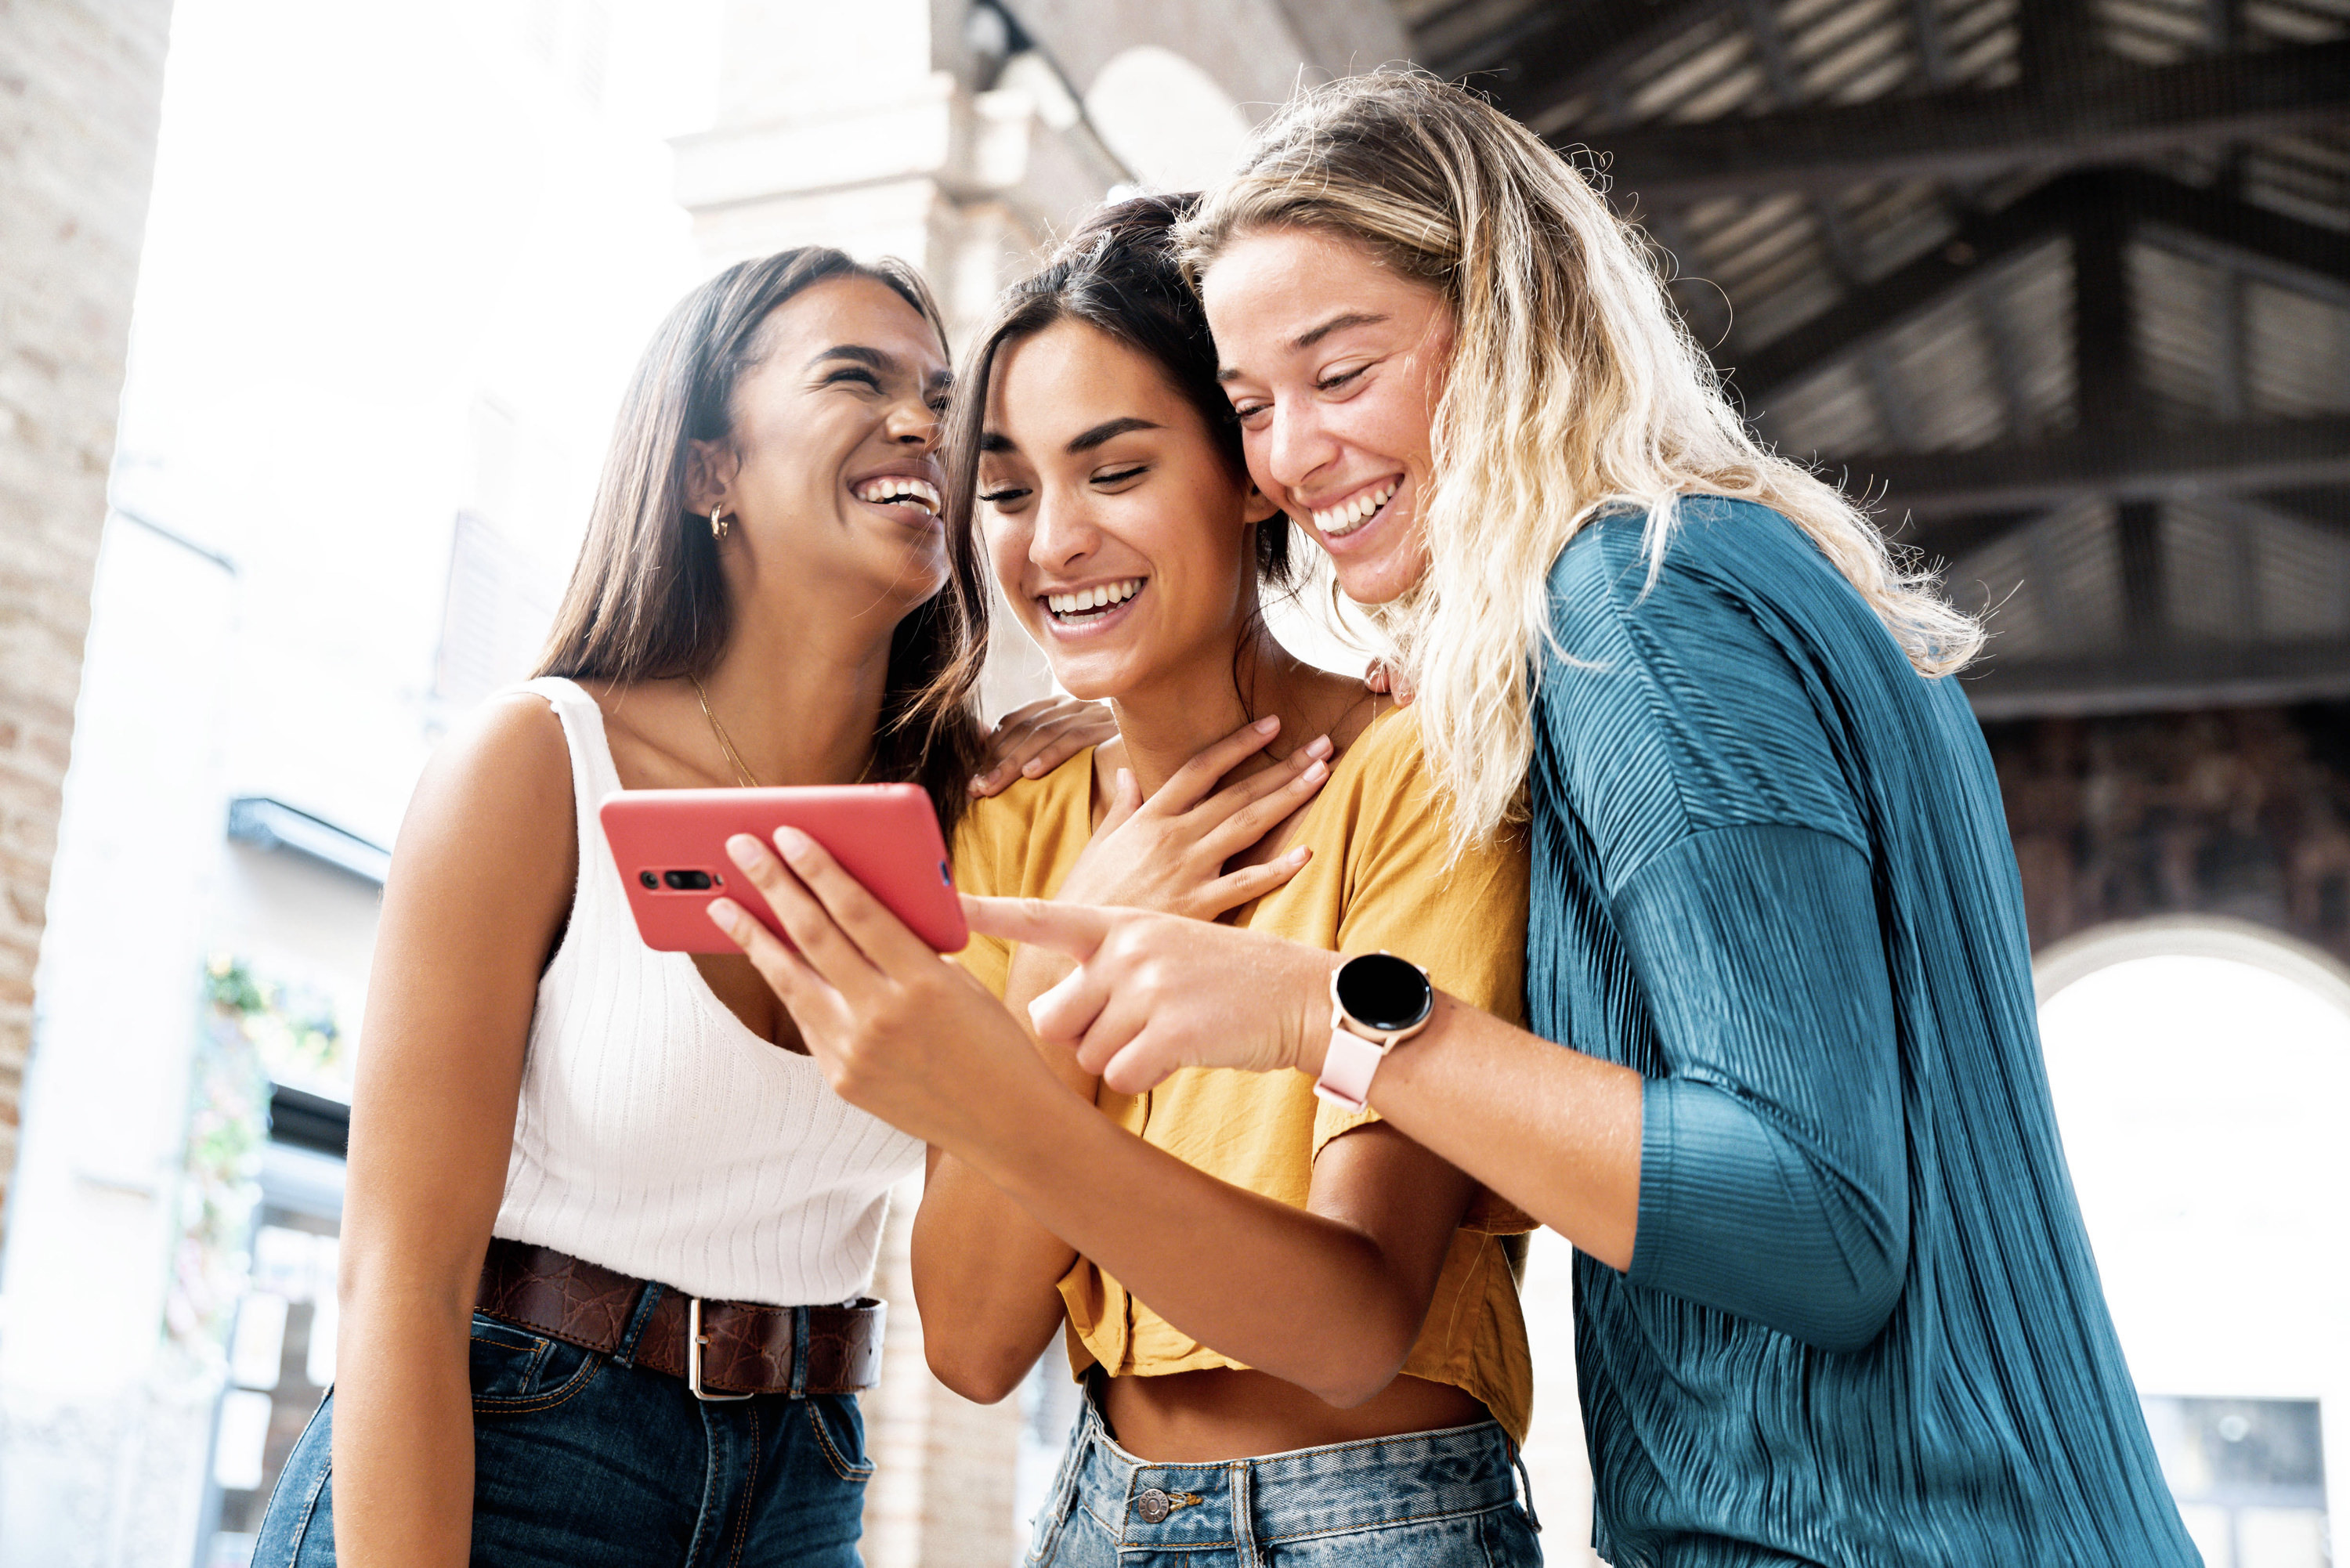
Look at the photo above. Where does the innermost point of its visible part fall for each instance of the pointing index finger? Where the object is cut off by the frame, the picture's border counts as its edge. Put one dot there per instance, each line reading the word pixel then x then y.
pixel 1074 929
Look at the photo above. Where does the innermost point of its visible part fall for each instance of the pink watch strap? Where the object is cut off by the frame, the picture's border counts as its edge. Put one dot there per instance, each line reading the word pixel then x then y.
pixel 1347 1069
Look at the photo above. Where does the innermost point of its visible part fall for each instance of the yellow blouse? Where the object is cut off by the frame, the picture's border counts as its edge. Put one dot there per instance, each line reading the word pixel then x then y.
pixel 1378 880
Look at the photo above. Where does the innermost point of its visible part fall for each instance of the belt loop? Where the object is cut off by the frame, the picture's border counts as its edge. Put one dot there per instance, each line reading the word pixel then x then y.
pixel 625 1353
pixel 1244 1515
pixel 799 1352
pixel 1518 1460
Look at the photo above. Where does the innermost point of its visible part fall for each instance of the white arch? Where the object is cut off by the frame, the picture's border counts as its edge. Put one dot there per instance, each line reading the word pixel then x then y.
pixel 2061 963
pixel 2200 1069
pixel 1166 118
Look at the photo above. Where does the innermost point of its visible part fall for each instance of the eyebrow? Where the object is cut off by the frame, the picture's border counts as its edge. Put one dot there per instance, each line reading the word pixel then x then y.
pixel 857 353
pixel 1306 340
pixel 1108 429
pixel 1084 442
pixel 1337 323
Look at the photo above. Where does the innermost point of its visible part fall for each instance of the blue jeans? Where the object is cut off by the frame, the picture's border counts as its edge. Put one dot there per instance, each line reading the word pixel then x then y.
pixel 1425 1499
pixel 583 1460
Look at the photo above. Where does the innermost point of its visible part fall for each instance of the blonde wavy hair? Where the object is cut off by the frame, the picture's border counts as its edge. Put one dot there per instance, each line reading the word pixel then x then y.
pixel 1573 390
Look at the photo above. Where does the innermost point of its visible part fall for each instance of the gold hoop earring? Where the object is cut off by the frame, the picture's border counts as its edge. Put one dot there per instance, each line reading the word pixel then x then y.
pixel 719 522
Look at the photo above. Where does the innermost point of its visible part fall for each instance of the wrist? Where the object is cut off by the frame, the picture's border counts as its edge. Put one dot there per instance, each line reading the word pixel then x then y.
pixel 1309 1010
pixel 1377 1001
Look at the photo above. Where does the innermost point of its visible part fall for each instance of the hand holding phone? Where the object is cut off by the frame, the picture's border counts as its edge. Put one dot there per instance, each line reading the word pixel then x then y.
pixel 670 848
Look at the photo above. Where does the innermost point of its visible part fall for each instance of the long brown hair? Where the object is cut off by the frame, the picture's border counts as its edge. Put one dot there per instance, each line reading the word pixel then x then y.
pixel 1119 274
pixel 647 599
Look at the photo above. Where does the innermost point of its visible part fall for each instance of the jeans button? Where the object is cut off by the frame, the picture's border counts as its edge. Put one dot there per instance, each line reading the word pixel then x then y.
pixel 1152 1506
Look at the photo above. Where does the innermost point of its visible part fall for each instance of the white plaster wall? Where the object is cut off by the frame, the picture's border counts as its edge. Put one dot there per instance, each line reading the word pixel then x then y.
pixel 98 1464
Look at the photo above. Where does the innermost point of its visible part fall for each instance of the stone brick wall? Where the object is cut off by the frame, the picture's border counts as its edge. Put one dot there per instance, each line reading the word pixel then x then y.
pixel 2241 812
pixel 80 86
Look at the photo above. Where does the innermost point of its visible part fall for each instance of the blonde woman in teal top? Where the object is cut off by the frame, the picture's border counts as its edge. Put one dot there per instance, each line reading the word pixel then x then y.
pixel 1784 1089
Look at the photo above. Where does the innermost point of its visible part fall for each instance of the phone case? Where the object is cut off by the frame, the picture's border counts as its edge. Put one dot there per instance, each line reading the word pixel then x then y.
pixel 670 848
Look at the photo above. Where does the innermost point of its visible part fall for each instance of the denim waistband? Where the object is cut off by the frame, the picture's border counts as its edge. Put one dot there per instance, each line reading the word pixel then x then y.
pixel 1293 1496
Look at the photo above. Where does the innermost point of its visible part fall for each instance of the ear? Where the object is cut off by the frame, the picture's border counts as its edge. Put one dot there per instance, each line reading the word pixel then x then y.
pixel 1259 507
pixel 710 470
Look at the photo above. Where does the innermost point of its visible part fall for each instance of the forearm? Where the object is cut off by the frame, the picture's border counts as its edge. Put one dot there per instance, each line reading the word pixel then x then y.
pixel 1552 1131
pixel 1203 1254
pixel 983 1264
pixel 403 1430
pixel 980 1262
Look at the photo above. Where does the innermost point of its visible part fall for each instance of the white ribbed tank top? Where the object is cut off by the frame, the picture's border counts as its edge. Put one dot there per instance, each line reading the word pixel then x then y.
pixel 657 1135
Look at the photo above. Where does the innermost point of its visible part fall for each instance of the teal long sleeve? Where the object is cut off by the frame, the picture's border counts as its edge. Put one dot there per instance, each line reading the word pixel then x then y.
pixel 1861 1324
pixel 1773 1182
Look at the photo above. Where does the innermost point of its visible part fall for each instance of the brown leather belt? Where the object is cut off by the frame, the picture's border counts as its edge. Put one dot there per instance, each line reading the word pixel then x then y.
pixel 723 1350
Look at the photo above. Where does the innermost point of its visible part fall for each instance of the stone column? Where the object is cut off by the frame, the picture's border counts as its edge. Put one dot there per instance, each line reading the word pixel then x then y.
pixel 80 89
pixel 866 127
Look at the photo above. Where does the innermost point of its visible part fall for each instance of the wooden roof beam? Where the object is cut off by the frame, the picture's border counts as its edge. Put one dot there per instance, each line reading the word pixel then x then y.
pixel 2171 676
pixel 2287 252
pixel 1555 52
pixel 1978 247
pixel 2138 461
pixel 2107 114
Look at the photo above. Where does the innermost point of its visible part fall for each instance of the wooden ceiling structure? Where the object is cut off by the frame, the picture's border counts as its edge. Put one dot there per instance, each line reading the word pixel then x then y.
pixel 2063 285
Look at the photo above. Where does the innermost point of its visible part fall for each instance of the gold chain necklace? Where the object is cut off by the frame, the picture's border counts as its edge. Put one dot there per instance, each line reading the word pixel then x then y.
pixel 735 758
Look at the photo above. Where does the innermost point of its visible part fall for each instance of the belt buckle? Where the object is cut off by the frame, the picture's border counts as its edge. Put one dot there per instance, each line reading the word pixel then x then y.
pixel 694 1340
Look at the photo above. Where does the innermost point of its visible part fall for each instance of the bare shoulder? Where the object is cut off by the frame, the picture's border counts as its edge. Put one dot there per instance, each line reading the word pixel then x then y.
pixel 496 795
pixel 509 752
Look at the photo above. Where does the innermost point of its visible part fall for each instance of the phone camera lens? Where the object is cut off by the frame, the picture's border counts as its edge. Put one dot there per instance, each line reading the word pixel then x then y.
pixel 687 881
pixel 649 880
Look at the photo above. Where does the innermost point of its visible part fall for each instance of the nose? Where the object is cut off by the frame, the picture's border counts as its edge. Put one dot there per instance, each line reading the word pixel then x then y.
pixel 1295 446
pixel 1060 535
pixel 914 423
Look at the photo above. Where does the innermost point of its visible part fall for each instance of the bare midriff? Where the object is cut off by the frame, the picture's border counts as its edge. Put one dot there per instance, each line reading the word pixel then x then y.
pixel 1202 1418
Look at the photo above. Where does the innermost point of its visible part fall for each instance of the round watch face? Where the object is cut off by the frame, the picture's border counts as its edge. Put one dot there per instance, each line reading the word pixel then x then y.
pixel 1382 991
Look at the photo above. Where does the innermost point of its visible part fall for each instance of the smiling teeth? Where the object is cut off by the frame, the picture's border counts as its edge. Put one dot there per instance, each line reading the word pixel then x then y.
pixel 1337 522
pixel 1094 598
pixel 898 487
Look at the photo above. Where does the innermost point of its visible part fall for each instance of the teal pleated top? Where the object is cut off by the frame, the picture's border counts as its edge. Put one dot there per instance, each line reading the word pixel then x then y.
pixel 1862 1325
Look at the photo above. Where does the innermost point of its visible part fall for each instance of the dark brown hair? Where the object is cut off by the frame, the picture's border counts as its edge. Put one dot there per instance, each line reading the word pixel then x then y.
pixel 1119 274
pixel 647 599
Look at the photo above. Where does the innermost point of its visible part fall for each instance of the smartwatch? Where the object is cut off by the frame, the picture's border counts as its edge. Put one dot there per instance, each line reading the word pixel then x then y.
pixel 1376 1001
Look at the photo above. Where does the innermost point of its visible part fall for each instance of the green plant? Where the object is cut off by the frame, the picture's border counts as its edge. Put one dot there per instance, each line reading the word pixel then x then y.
pixel 252 1031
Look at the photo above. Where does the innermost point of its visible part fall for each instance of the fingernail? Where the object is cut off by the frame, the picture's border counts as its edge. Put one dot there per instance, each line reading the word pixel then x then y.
pixel 791 843
pixel 1316 773
pixel 743 850
pixel 726 914
pixel 1032 767
pixel 1318 747
pixel 979 782
pixel 1300 856
pixel 1268 724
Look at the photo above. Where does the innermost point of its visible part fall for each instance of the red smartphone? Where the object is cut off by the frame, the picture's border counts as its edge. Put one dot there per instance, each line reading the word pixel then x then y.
pixel 670 848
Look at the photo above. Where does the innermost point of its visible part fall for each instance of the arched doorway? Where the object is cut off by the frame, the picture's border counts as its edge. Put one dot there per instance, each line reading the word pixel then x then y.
pixel 2201 1074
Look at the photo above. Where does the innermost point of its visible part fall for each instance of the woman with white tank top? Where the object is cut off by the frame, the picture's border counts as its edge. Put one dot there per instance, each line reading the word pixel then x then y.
pixel 572 1156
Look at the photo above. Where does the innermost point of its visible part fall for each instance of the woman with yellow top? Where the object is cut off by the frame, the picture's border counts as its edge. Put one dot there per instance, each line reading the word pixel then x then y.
pixel 1299 1330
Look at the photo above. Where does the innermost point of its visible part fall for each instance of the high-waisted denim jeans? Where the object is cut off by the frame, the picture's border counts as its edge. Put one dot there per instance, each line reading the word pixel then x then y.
pixel 1426 1500
pixel 583 1460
